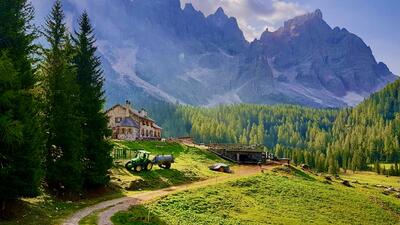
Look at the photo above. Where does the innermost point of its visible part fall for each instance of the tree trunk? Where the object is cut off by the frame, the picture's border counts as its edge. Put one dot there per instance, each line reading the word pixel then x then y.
pixel 3 208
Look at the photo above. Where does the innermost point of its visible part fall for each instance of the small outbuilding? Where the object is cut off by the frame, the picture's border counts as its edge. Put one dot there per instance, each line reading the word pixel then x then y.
pixel 242 154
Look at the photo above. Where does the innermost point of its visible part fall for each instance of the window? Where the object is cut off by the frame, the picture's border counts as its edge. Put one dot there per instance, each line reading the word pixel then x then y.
pixel 118 119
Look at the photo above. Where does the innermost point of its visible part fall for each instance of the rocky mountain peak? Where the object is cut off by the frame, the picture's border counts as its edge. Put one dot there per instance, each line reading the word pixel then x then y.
pixel 220 12
pixel 307 18
pixel 190 10
pixel 318 13
pixel 189 7
pixel 219 17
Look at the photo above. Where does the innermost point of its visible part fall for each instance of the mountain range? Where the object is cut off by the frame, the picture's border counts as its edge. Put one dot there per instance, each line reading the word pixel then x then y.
pixel 160 50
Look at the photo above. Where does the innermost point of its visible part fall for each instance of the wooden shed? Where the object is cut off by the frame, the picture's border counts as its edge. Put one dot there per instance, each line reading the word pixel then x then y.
pixel 242 154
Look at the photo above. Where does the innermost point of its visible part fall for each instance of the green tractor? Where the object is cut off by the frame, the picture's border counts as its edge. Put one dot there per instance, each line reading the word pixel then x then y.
pixel 142 161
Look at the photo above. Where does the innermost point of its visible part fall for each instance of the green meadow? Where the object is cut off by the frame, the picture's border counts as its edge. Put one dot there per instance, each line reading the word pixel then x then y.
pixel 277 197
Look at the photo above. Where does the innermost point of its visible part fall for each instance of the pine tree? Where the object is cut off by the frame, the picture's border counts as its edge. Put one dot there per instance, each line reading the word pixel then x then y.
pixel 377 167
pixel 21 139
pixel 333 167
pixel 260 133
pixel 97 157
pixel 243 137
pixel 64 144
pixel 279 151
pixel 392 171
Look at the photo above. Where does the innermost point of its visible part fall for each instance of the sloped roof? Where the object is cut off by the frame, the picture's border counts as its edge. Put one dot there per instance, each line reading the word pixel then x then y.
pixel 133 111
pixel 238 148
pixel 129 122
pixel 156 126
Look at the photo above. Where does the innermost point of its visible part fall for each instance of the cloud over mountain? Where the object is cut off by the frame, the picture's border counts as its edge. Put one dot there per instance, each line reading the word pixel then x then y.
pixel 253 16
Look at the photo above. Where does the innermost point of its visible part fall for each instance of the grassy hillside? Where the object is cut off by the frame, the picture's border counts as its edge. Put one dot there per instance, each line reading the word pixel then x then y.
pixel 191 164
pixel 371 178
pixel 272 198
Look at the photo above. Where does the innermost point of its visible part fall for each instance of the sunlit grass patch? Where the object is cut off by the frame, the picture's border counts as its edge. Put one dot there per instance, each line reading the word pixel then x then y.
pixel 276 198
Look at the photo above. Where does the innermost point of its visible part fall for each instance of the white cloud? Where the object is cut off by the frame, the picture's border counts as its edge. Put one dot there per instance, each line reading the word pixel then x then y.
pixel 253 16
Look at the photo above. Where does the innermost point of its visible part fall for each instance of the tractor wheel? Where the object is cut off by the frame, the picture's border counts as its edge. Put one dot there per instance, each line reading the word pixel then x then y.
pixel 167 165
pixel 128 166
pixel 138 168
pixel 149 166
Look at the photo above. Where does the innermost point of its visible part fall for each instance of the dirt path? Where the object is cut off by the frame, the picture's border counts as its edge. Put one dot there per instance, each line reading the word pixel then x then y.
pixel 109 208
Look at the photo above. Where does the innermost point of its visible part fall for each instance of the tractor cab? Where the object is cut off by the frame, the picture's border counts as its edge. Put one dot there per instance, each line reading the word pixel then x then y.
pixel 141 155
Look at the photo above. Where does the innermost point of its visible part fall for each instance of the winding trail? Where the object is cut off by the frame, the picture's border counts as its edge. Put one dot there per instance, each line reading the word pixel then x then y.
pixel 108 208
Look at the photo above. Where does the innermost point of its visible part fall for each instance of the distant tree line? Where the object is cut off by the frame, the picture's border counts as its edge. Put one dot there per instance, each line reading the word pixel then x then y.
pixel 52 127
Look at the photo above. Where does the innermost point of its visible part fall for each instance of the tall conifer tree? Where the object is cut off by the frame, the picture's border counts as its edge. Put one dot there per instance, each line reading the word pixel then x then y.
pixel 21 143
pixel 65 150
pixel 97 157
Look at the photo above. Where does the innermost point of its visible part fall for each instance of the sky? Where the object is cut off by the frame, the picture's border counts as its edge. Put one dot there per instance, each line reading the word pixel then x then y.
pixel 375 21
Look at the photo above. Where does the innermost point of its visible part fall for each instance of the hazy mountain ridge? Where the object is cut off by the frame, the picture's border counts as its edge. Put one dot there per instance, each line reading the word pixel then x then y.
pixel 177 54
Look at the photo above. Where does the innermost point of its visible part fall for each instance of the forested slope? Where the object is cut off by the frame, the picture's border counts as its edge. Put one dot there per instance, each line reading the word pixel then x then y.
pixel 369 132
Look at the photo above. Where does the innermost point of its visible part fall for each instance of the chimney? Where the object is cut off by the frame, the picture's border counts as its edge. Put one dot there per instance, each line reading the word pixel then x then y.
pixel 143 112
pixel 127 108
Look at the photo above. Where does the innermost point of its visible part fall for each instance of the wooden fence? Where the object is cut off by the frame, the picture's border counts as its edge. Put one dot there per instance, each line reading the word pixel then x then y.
pixel 123 153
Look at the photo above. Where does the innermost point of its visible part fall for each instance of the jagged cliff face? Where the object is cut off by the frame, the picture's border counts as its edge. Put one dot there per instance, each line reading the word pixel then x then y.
pixel 329 66
pixel 158 50
pixel 308 62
